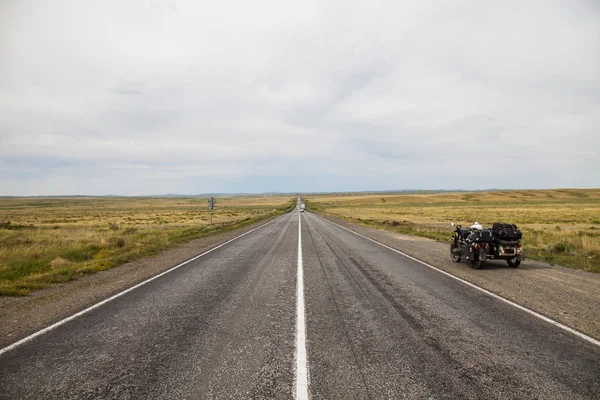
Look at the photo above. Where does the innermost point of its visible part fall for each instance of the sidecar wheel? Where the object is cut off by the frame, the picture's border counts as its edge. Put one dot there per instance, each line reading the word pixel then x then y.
pixel 513 262
pixel 455 257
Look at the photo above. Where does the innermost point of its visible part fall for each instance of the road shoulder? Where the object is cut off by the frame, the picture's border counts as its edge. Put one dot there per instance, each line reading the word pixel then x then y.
pixel 568 296
pixel 22 316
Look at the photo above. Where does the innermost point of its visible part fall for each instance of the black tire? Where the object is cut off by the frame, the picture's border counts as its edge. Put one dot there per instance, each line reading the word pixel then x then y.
pixel 477 264
pixel 454 256
pixel 513 262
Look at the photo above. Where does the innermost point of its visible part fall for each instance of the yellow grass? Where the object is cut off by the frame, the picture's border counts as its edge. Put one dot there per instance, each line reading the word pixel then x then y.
pixel 48 240
pixel 559 226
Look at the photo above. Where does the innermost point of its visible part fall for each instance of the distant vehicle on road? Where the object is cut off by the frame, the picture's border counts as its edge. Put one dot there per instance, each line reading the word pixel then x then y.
pixel 302 207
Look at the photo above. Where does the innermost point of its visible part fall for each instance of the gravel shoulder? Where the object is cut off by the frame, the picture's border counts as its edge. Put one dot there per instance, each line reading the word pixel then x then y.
pixel 22 316
pixel 569 296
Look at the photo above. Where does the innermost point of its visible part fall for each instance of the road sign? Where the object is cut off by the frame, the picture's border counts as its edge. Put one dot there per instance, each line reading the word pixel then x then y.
pixel 211 206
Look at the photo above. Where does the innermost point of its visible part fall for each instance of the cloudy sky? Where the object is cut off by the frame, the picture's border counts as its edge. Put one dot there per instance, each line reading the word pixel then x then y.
pixel 149 97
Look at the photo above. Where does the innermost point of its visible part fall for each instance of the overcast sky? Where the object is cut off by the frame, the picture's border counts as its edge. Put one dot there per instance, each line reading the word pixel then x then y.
pixel 149 97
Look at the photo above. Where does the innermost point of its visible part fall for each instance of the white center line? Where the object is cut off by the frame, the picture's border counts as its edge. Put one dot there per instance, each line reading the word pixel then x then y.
pixel 301 364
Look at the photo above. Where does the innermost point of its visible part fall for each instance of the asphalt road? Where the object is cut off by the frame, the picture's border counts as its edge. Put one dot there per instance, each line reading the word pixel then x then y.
pixel 378 325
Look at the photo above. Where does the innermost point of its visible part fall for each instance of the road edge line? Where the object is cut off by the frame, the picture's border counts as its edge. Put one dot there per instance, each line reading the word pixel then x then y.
pixel 301 362
pixel 492 294
pixel 115 296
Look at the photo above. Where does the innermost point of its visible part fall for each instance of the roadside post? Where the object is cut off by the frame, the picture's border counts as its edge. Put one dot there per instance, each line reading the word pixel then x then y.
pixel 211 206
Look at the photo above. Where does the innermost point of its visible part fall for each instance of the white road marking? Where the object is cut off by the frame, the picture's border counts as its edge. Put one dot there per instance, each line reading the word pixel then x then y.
pixel 301 363
pixel 494 295
pixel 87 310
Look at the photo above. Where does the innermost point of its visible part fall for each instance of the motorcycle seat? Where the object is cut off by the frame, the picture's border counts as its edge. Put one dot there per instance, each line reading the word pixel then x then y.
pixel 464 233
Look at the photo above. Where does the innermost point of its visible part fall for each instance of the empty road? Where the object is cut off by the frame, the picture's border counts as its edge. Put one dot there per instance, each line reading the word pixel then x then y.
pixel 374 325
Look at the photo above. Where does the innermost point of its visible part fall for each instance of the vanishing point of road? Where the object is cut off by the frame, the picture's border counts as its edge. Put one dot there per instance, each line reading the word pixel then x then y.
pixel 302 308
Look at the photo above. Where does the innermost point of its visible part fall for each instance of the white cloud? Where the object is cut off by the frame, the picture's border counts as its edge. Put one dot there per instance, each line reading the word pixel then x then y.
pixel 209 96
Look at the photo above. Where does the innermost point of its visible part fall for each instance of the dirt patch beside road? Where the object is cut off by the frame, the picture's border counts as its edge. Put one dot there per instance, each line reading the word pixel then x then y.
pixel 569 296
pixel 22 316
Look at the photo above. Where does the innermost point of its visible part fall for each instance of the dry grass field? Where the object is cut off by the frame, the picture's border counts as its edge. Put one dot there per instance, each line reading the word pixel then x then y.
pixel 559 226
pixel 49 240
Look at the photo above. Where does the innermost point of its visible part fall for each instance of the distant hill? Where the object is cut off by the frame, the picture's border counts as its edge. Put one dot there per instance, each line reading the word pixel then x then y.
pixel 291 193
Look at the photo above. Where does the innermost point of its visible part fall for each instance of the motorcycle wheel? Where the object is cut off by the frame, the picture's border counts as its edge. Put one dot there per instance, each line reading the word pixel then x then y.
pixel 513 262
pixel 477 264
pixel 454 256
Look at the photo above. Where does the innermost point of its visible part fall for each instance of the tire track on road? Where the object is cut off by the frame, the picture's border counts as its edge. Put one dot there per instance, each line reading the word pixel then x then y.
pixel 428 340
pixel 339 313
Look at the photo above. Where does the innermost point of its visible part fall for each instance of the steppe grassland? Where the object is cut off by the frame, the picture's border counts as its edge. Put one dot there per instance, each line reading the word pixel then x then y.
pixel 48 240
pixel 559 226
